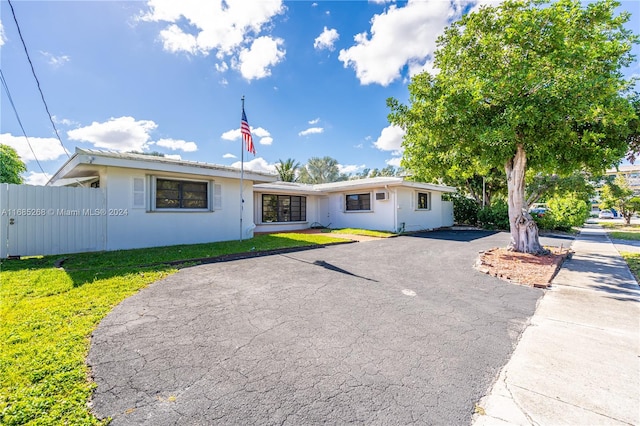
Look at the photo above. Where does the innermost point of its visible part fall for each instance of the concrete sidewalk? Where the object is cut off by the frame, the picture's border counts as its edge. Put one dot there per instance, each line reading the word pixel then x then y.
pixel 578 361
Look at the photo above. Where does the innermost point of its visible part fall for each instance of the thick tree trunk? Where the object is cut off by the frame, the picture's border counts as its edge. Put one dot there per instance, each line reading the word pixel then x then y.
pixel 524 231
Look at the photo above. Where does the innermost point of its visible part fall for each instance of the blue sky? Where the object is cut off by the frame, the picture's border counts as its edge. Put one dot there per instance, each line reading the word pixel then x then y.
pixel 168 76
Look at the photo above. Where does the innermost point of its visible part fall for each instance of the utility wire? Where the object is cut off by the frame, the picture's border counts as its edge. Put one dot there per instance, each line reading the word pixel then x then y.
pixel 6 89
pixel 33 71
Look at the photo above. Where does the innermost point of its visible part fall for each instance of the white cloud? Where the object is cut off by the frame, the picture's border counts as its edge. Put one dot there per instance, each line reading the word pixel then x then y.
pixel 314 121
pixel 231 135
pixel 314 4
pixel 350 168
pixel 399 36
pixel 326 39
pixel 222 67
pixel 395 161
pixel 257 165
pixel 224 28
pixel 263 134
pixel 55 61
pixel 229 155
pixel 64 121
pixel 310 131
pixel 178 144
pixel 2 36
pixel 175 40
pixel 39 179
pixel 45 149
pixel 390 139
pixel 117 134
pixel 256 62
pixel 260 132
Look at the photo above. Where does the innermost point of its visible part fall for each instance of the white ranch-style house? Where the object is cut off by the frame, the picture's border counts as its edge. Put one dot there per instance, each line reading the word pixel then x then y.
pixel 111 201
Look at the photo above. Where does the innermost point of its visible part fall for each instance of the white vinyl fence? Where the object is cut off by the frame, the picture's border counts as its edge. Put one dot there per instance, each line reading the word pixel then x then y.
pixel 41 220
pixel 447 213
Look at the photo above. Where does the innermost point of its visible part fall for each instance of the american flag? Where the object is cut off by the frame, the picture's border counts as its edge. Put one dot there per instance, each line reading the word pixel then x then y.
pixel 245 130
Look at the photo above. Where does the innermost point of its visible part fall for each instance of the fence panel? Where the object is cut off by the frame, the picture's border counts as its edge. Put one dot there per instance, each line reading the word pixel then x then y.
pixel 447 213
pixel 42 220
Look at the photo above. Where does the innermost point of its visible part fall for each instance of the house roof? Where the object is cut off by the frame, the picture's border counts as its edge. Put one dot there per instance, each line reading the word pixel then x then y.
pixel 349 185
pixel 286 187
pixel 85 163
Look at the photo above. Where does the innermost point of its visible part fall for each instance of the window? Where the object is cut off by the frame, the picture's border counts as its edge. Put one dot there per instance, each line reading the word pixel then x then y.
pixel 283 208
pixel 356 202
pixel 424 200
pixel 180 194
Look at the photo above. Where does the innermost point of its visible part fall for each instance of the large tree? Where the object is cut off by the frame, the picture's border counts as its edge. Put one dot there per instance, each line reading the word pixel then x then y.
pixel 525 84
pixel 11 166
pixel 321 170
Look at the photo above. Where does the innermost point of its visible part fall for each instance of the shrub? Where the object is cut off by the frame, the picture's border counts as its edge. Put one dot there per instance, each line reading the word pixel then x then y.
pixel 495 216
pixel 568 211
pixel 545 221
pixel 465 210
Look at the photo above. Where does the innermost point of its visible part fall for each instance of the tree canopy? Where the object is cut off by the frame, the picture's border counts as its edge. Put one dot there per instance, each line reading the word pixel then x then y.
pixel 522 85
pixel 321 170
pixel 618 194
pixel 11 166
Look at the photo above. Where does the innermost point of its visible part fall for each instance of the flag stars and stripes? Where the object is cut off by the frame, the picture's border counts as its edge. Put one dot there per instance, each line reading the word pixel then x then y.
pixel 245 130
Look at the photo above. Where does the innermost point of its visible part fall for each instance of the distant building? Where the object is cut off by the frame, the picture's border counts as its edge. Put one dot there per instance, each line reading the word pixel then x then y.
pixel 631 173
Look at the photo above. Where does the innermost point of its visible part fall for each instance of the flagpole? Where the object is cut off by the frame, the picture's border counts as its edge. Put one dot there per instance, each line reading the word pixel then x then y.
pixel 241 176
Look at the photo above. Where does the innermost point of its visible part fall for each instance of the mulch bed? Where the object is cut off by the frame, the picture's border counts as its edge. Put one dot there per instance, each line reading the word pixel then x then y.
pixel 522 268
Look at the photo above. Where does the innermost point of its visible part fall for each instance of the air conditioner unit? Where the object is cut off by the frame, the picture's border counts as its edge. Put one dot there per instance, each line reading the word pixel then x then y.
pixel 382 196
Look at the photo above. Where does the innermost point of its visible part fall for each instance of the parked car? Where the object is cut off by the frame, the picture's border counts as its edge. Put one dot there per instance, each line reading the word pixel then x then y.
pixel 605 214
pixel 538 210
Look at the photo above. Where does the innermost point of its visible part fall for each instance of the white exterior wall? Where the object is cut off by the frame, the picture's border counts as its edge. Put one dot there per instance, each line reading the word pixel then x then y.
pixel 140 227
pixel 380 218
pixel 411 219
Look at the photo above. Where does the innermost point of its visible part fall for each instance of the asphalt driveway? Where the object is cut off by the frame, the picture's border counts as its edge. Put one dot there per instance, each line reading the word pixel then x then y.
pixel 393 331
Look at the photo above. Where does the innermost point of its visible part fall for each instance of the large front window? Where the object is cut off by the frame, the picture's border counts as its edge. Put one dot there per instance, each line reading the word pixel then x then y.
pixel 283 208
pixel 181 194
pixel 356 202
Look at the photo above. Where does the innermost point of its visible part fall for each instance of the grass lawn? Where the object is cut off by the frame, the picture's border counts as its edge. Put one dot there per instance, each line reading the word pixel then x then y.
pixel 633 260
pixel 47 315
pixel 621 231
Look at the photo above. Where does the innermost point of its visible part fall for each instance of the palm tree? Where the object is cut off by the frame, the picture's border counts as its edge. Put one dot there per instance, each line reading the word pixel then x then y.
pixel 287 169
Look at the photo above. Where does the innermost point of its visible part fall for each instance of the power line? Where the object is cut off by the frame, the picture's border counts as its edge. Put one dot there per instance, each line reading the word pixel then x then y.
pixel 33 71
pixel 6 89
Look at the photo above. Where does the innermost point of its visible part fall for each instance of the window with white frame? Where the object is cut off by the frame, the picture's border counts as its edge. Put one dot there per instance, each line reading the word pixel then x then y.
pixel 181 194
pixel 283 208
pixel 423 201
pixel 358 202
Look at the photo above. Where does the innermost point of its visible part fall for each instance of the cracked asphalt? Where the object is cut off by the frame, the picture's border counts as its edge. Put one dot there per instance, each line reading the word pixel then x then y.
pixel 393 331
